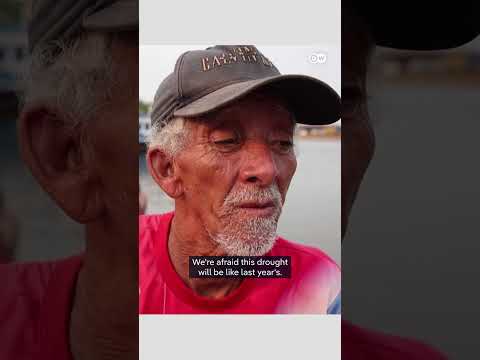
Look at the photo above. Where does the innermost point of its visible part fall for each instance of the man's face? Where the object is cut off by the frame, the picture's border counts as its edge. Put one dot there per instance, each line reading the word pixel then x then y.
pixel 235 173
pixel 93 181
pixel 114 143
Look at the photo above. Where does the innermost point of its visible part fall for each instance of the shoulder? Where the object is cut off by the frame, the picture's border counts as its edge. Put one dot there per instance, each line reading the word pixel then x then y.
pixel 315 280
pixel 153 234
pixel 304 255
pixel 32 278
pixel 362 343
pixel 26 290
pixel 154 223
pixel 151 229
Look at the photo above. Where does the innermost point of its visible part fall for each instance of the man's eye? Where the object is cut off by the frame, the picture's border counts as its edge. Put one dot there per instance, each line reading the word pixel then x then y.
pixel 231 141
pixel 227 144
pixel 284 145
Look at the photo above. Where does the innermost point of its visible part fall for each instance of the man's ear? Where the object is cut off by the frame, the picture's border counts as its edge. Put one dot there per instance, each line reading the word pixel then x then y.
pixel 58 158
pixel 164 172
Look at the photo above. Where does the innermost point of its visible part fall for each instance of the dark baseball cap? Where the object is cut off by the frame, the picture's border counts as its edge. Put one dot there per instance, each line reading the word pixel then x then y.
pixel 51 20
pixel 205 81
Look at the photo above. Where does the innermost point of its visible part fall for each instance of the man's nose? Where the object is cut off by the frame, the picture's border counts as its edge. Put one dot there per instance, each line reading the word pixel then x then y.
pixel 258 165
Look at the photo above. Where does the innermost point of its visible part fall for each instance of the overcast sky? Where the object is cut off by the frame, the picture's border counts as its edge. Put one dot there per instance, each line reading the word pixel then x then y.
pixel 158 61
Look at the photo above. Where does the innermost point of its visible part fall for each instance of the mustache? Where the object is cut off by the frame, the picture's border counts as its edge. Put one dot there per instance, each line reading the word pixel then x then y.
pixel 244 194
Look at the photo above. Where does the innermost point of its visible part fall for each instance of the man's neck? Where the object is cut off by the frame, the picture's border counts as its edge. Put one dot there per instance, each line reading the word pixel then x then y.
pixel 104 317
pixel 188 237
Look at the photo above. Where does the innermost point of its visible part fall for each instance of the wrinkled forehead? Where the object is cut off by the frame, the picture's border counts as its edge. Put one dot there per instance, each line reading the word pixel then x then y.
pixel 266 109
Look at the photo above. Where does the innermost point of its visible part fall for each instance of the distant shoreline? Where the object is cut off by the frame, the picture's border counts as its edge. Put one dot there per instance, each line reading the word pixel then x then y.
pixel 431 79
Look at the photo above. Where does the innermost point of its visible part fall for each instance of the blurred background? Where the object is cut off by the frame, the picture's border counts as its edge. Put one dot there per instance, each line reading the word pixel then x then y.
pixel 31 226
pixel 311 214
pixel 410 258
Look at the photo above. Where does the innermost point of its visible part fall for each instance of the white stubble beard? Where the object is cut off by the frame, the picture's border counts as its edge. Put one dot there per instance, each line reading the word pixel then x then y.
pixel 250 236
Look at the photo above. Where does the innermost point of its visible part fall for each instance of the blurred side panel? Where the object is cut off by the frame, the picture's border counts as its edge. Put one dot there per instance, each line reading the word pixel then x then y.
pixel 31 226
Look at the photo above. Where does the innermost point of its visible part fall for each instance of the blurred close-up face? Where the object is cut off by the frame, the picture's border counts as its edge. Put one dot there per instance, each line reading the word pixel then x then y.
pixel 358 140
pixel 78 137
pixel 234 173
pixel 112 136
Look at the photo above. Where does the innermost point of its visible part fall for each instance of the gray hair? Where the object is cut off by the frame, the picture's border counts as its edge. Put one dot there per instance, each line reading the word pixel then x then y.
pixel 171 136
pixel 74 76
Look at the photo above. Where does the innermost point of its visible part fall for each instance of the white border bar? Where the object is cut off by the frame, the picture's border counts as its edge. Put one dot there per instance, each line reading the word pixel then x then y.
pixel 300 22
pixel 212 337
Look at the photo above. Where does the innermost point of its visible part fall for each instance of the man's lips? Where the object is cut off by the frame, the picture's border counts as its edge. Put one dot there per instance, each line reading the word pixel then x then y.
pixel 259 208
pixel 257 205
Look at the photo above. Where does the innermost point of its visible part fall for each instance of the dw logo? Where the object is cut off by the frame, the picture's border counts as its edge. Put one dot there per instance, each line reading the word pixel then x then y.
pixel 318 58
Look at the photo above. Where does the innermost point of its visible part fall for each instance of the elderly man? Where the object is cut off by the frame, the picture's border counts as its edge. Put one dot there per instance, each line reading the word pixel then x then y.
pixel 77 134
pixel 222 148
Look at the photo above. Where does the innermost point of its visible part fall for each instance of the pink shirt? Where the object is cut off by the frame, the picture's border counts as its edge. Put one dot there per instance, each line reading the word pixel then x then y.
pixel 362 344
pixel 36 302
pixel 35 309
pixel 314 276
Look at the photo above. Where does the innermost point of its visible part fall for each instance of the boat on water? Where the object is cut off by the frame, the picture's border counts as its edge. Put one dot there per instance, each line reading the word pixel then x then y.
pixel 144 129
pixel 13 56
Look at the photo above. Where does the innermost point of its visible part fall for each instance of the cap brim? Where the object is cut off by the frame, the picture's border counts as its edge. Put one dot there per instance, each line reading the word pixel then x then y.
pixel 312 101
pixel 119 16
